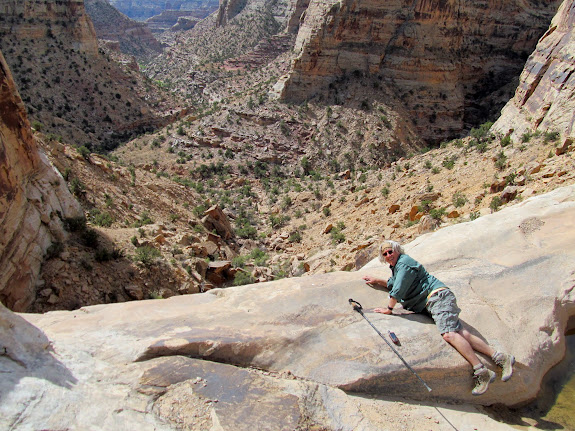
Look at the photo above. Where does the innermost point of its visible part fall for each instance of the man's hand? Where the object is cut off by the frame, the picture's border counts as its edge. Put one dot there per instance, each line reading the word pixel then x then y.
pixel 370 280
pixel 383 310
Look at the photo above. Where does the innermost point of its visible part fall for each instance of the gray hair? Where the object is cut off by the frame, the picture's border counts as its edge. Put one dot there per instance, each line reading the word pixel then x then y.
pixel 387 244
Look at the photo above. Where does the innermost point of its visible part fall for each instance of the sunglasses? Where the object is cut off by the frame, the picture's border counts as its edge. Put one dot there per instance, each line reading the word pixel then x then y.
pixel 387 253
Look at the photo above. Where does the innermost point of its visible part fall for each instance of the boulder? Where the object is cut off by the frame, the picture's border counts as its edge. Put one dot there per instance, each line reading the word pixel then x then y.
pixel 215 219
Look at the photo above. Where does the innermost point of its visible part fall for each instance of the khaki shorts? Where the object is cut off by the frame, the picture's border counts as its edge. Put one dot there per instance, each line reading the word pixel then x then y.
pixel 442 307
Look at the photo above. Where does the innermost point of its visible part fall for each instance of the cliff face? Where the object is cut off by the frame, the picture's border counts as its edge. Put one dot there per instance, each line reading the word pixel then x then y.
pixel 34 200
pixel 449 62
pixel 143 9
pixel 544 99
pixel 53 19
pixel 68 86
pixel 135 38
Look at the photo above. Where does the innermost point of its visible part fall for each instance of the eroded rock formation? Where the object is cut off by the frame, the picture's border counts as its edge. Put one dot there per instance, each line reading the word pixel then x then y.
pixel 135 38
pixel 34 200
pixel 69 87
pixel 142 10
pixel 544 98
pixel 448 62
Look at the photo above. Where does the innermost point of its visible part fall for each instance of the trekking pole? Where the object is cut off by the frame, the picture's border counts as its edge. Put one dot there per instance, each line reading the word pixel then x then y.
pixel 357 307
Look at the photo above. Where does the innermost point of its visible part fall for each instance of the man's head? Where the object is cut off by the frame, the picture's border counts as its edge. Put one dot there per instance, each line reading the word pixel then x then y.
pixel 389 252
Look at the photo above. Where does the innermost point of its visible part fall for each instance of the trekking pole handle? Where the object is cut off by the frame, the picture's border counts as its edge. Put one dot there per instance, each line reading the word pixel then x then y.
pixel 356 305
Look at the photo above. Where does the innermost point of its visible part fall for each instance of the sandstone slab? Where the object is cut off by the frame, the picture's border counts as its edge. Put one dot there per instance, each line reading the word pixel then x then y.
pixel 511 271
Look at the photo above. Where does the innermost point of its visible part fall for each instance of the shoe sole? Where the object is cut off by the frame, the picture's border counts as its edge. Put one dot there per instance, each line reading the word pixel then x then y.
pixel 491 380
pixel 506 378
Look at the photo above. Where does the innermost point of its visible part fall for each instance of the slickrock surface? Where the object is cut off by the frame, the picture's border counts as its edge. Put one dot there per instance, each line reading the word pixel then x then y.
pixel 192 361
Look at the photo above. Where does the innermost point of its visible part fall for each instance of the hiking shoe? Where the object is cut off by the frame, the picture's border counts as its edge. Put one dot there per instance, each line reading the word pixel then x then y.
pixel 505 361
pixel 483 377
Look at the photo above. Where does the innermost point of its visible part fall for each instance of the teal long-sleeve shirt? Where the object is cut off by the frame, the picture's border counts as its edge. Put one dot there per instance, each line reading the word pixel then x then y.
pixel 411 283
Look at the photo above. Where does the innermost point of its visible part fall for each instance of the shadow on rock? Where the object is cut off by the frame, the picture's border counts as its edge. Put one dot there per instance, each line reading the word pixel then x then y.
pixel 25 351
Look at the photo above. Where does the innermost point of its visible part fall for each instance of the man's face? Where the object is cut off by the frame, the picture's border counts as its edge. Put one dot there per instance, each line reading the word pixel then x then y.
pixel 390 256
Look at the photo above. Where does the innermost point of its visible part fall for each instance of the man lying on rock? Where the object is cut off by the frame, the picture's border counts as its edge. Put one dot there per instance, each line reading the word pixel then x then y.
pixel 419 291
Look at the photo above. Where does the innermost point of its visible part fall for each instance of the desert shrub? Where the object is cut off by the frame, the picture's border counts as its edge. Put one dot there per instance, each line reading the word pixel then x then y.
pixel 54 250
pixel 242 278
pixel 103 219
pixel 295 237
pixel 526 137
pixel 425 206
pixel 505 141
pixel 105 255
pixel 259 256
pixel 90 238
pixel 550 136
pixel 84 152
pixel 147 255
pixel 437 213
pixel 278 221
pixel 449 162
pixel 76 187
pixel 501 161
pixel 459 199
pixel 75 224
pixel 337 236
pixel 495 203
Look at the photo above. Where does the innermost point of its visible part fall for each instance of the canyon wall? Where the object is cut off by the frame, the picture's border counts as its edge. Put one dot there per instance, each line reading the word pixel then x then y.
pixel 451 64
pixel 544 99
pixel 34 200
pixel 134 37
pixel 69 87
pixel 38 20
pixel 144 9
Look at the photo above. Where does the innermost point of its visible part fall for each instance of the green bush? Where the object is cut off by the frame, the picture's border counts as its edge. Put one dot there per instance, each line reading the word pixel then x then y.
pixel 90 238
pixel 103 219
pixel 105 255
pixel 278 221
pixel 526 137
pixel 501 161
pixel 242 278
pixel 84 152
pixel 495 203
pixel 295 237
pixel 337 236
pixel 75 224
pixel 437 213
pixel 459 199
pixel 550 136
pixel 76 187
pixel 147 255
pixel 505 141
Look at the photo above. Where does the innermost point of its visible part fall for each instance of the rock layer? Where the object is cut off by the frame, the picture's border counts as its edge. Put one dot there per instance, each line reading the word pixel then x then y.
pixel 544 98
pixel 135 38
pixel 34 200
pixel 447 61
